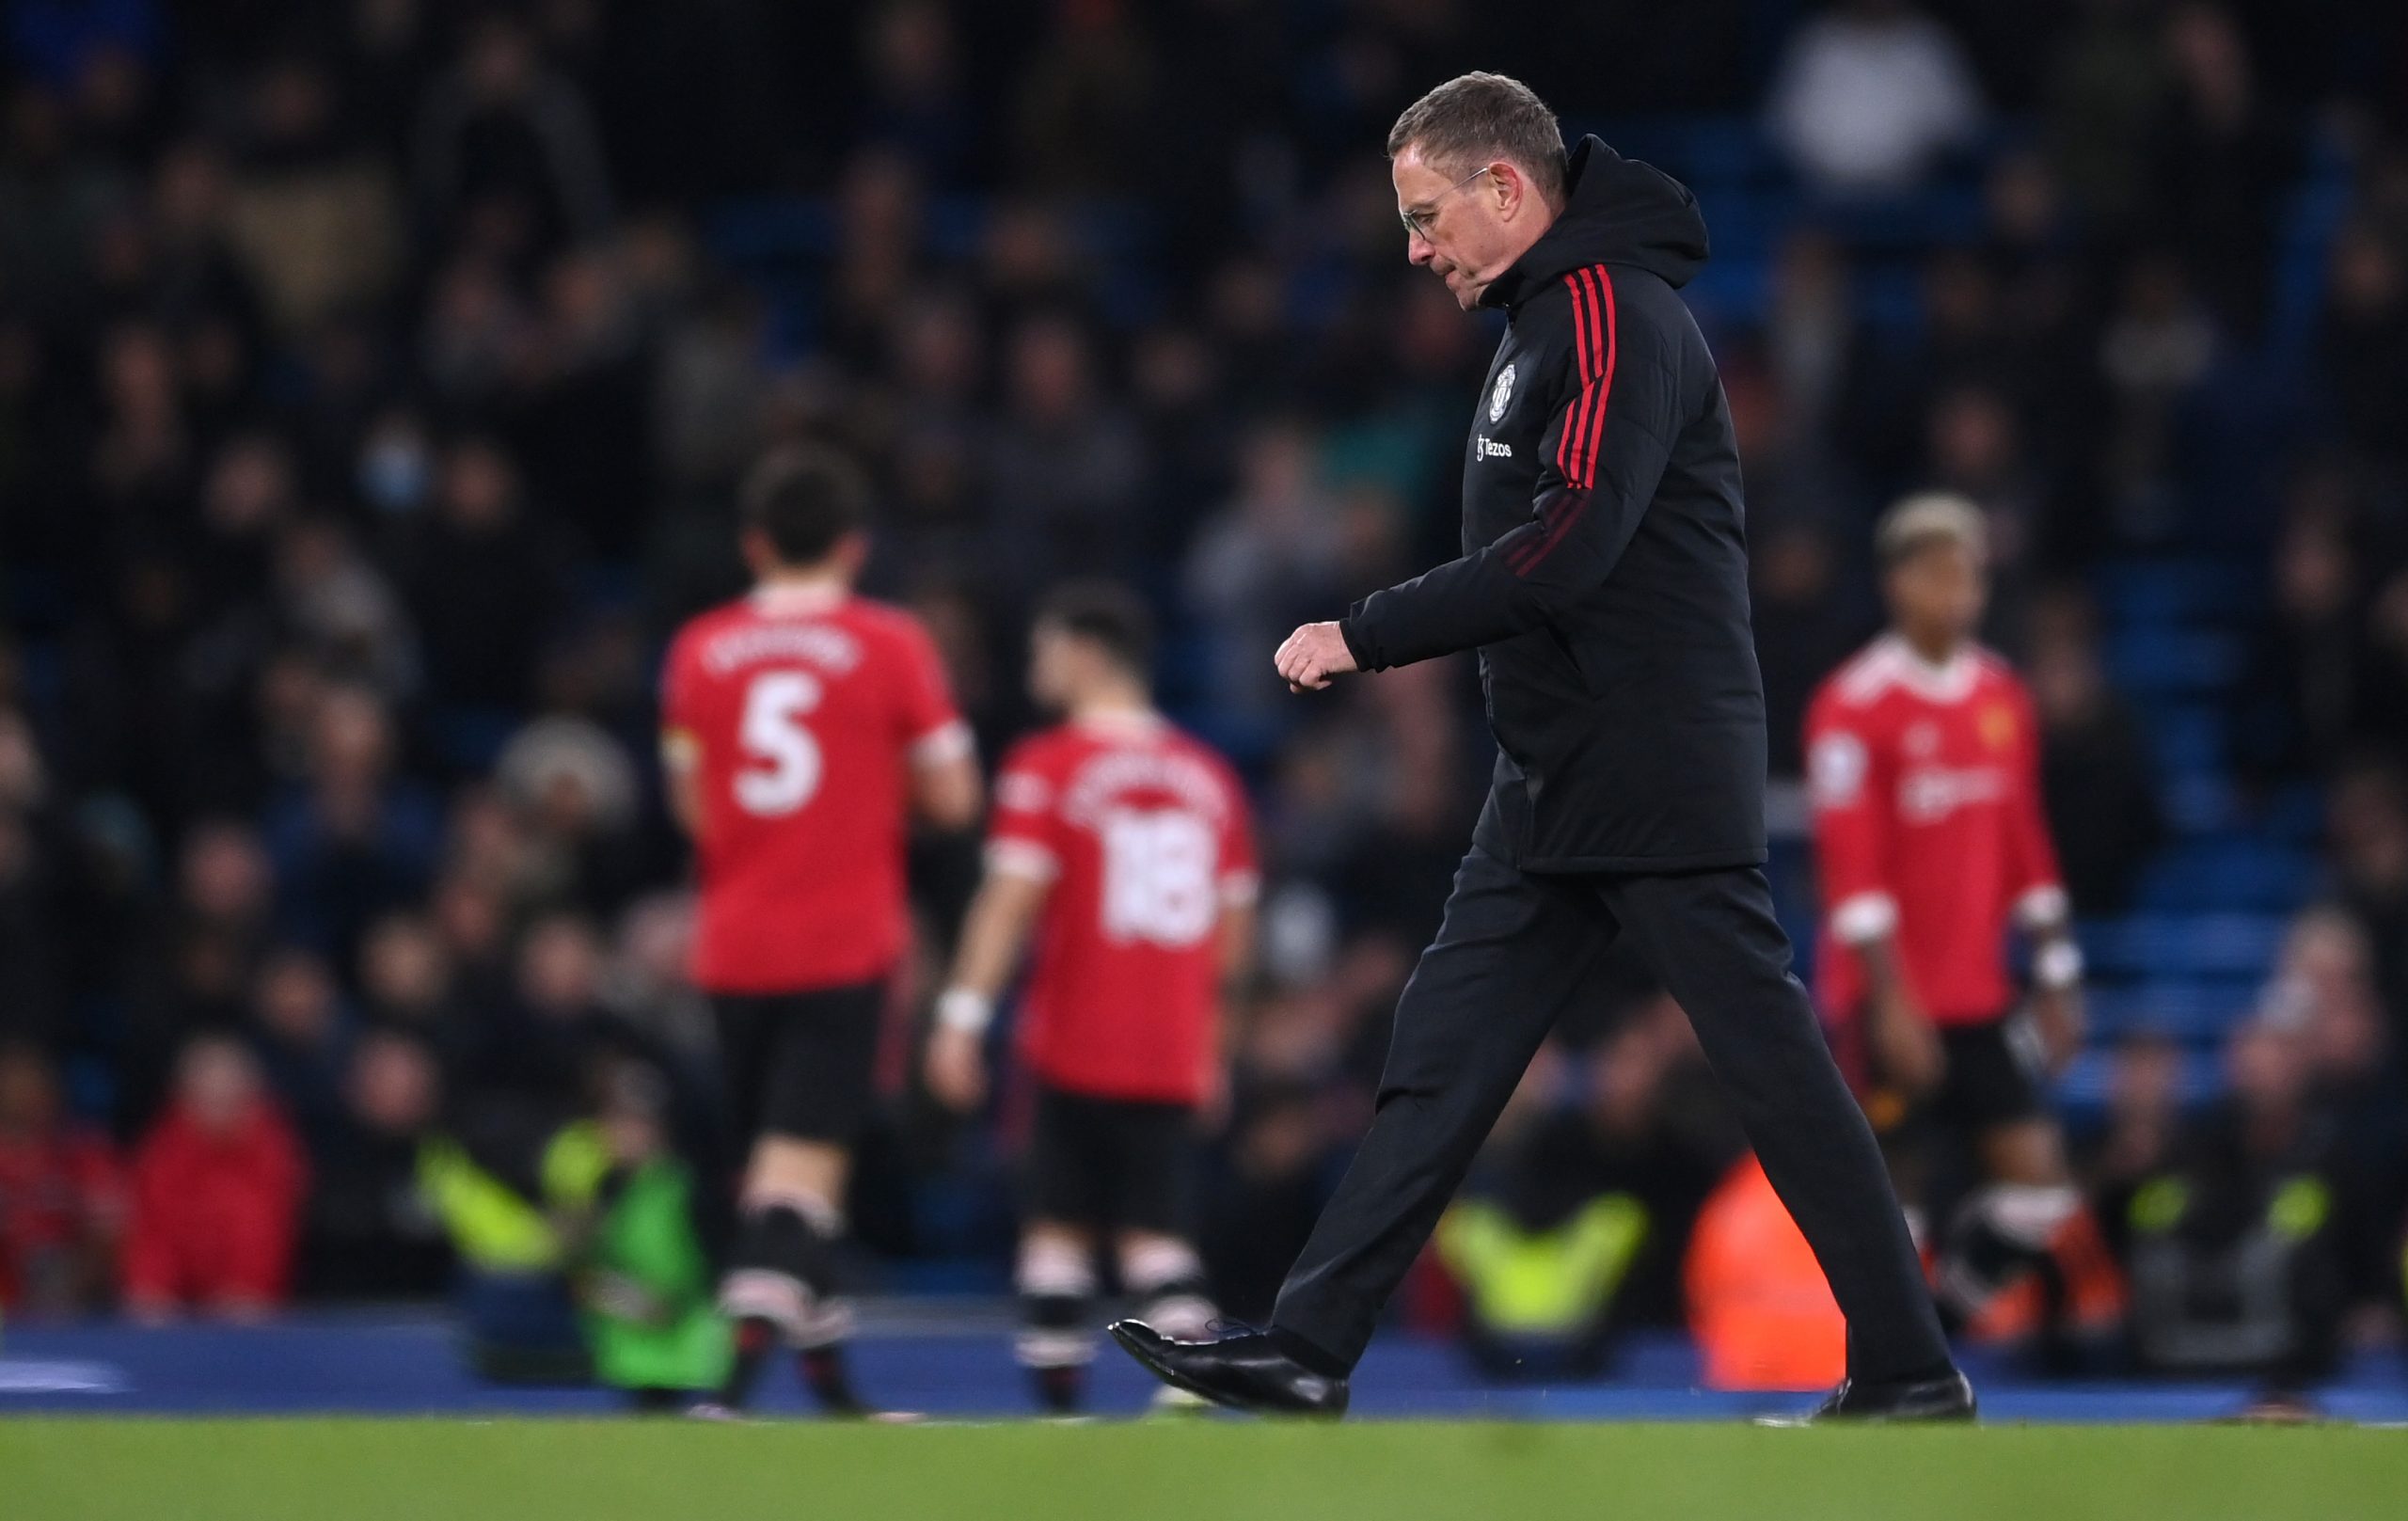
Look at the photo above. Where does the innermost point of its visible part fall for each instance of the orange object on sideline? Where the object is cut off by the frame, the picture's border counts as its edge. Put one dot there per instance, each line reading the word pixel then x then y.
pixel 1762 1314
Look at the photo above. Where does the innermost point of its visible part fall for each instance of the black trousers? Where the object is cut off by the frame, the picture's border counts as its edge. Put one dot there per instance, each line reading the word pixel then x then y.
pixel 1515 949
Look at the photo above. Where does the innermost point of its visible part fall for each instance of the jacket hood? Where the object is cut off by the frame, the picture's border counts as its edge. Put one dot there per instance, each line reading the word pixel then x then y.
pixel 1619 211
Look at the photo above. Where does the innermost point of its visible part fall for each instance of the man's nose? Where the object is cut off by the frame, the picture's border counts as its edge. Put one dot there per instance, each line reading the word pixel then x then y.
pixel 1419 249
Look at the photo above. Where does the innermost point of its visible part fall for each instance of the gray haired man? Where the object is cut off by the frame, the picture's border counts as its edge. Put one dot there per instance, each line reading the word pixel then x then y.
pixel 1604 581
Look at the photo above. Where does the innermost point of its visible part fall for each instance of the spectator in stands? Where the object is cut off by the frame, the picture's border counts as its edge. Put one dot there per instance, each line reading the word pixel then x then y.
pixel 1081 109
pixel 575 787
pixel 880 225
pixel 2367 828
pixel 562 1031
pixel 1270 552
pixel 355 840
pixel 647 983
pixel 62 1198
pixel 1869 96
pixel 2157 347
pixel 302 1035
pixel 246 498
pixel 1962 348
pixel 506 151
pixel 580 414
pixel 476 340
pixel 2235 1250
pixel 483 588
pixel 2298 711
pixel 405 978
pixel 914 100
pixel 1812 337
pixel 2144 1122
pixel 2029 247
pixel 2109 88
pixel 226 887
pixel 473 917
pixel 2221 158
pixel 2323 987
pixel 1804 628
pixel 370 1231
pixel 342 612
pixel 2381 666
pixel 52 200
pixel 216 930
pixel 32 997
pixel 2097 773
pixel 218 1188
pixel 1064 467
pixel 1976 450
pixel 2362 343
pixel 312 213
pixel 142 463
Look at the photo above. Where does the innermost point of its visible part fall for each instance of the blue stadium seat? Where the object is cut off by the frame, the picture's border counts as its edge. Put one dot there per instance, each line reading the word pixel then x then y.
pixel 2156 658
pixel 2229 872
pixel 470 738
pixel 1731 294
pixel 2187 737
pixel 2223 944
pixel 766 229
pixel 2295 814
pixel 2196 1013
pixel 2200 802
pixel 2154 592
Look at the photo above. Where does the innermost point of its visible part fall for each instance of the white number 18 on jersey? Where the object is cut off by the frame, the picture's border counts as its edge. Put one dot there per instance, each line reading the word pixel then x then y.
pixel 1158 878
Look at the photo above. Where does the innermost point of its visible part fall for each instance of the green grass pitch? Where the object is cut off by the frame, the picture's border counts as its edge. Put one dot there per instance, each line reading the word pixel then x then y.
pixel 539 1470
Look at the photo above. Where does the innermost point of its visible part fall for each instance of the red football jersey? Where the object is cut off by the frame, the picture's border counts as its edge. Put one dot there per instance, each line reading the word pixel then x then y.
pixel 1143 833
pixel 802 712
pixel 1925 782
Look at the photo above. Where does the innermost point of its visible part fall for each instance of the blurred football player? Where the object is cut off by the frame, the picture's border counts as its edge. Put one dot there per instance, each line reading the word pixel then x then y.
pixel 1923 763
pixel 1121 850
pixel 802 727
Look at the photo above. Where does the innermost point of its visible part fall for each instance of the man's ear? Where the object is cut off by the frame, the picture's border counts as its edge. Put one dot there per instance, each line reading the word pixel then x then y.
pixel 1519 195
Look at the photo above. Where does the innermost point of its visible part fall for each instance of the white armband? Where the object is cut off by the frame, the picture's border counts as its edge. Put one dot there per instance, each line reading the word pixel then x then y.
pixel 1865 916
pixel 965 1009
pixel 2057 965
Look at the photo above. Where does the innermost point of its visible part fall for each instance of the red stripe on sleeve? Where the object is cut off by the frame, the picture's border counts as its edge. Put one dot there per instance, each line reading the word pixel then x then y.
pixel 1586 459
pixel 1580 406
pixel 1576 455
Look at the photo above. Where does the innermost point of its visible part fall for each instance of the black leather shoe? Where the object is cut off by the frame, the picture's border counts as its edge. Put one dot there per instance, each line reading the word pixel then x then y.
pixel 1923 1399
pixel 1244 1370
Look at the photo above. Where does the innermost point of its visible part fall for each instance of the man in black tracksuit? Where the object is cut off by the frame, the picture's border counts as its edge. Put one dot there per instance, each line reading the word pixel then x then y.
pixel 1604 580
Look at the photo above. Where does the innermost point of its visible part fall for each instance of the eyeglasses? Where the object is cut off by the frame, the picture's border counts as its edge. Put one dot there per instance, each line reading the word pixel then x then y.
pixel 1416 221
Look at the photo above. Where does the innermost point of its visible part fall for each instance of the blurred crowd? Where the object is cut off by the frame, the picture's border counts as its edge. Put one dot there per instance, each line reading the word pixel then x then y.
pixel 374 375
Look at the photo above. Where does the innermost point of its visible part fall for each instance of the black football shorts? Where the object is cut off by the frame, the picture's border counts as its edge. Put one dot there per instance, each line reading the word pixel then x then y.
pixel 800 1065
pixel 1111 1164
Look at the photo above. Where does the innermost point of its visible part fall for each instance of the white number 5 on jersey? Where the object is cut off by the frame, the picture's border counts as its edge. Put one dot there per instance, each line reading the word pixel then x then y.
pixel 784 759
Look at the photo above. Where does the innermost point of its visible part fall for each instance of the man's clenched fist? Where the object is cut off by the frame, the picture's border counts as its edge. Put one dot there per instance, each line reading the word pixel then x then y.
pixel 1312 655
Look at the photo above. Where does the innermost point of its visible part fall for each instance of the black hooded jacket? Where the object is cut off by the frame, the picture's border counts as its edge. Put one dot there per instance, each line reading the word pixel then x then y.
pixel 1604 578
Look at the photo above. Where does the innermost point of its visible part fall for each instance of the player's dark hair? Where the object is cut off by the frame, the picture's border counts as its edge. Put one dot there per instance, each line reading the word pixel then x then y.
pixel 803 500
pixel 1108 613
pixel 1478 119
